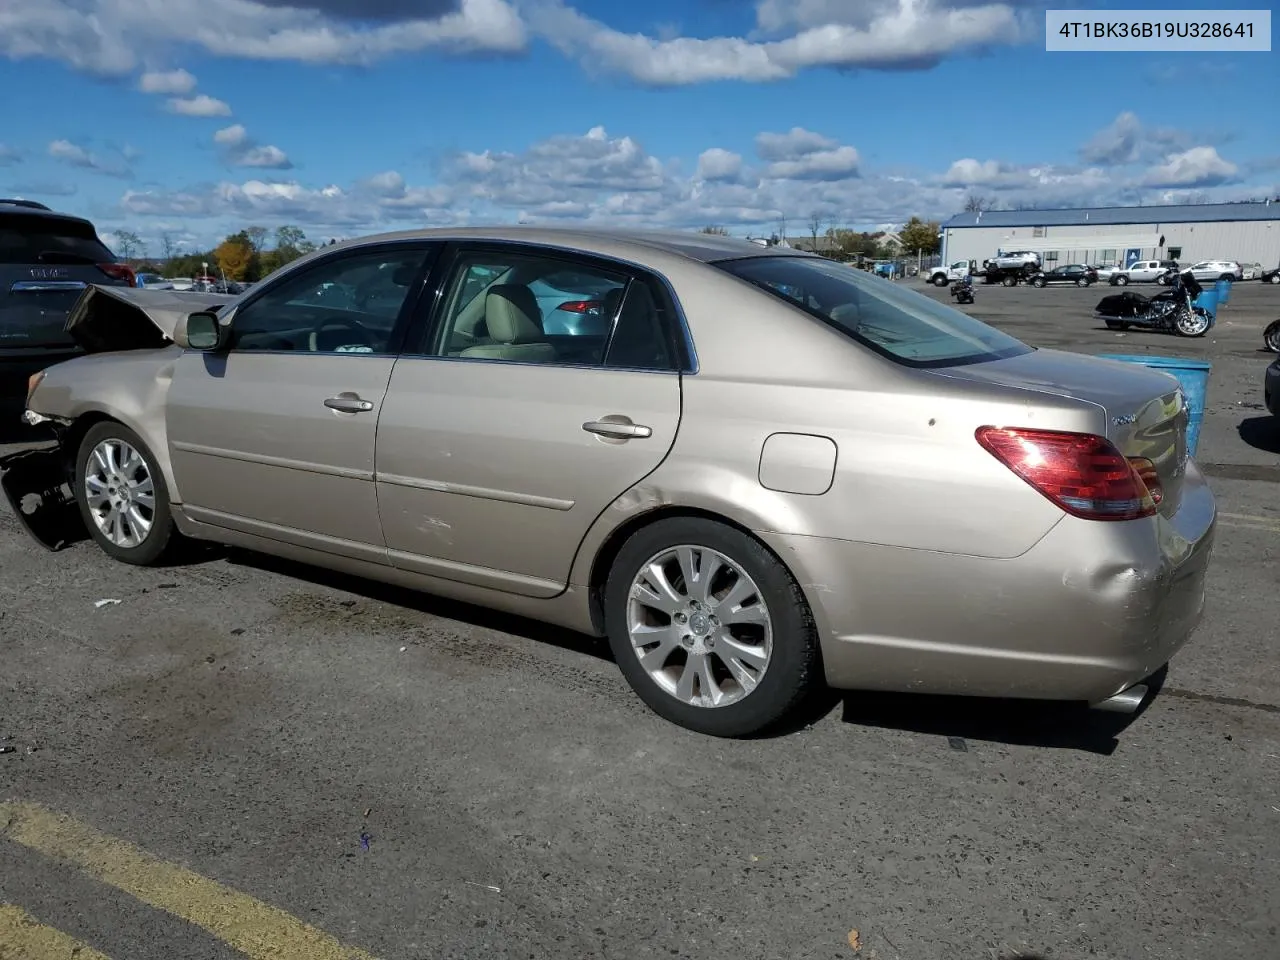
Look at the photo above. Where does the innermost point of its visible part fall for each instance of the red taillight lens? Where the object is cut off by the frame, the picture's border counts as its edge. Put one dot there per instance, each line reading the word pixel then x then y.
pixel 119 271
pixel 1146 471
pixel 580 306
pixel 1082 473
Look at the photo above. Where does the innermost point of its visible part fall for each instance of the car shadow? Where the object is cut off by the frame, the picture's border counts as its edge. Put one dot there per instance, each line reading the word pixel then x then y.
pixel 1261 433
pixel 1023 723
pixel 426 603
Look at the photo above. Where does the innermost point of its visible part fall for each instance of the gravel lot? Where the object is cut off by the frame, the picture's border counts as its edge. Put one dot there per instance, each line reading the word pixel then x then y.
pixel 251 720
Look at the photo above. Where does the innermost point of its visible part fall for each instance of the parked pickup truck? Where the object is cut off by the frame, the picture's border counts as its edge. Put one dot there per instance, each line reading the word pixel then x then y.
pixel 940 276
pixel 1142 271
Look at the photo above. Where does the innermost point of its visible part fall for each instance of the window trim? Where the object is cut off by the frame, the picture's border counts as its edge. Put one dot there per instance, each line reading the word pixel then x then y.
pixel 429 318
pixel 431 251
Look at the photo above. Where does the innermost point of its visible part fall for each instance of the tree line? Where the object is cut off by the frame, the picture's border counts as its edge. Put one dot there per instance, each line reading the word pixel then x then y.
pixel 917 236
pixel 245 256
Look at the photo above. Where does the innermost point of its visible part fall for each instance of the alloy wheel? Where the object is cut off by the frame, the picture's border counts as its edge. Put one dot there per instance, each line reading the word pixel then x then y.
pixel 120 492
pixel 699 626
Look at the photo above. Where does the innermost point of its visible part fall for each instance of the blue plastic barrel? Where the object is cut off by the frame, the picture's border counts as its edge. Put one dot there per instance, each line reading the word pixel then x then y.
pixel 1208 299
pixel 1223 289
pixel 1193 375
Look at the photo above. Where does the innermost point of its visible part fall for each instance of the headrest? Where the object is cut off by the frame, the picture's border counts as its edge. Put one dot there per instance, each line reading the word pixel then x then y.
pixel 512 315
pixel 612 301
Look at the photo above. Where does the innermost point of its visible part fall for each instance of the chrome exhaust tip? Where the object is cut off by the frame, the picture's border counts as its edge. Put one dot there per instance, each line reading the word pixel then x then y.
pixel 1126 701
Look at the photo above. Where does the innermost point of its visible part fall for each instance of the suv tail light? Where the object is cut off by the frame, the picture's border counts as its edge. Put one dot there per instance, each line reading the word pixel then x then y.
pixel 119 271
pixel 1082 473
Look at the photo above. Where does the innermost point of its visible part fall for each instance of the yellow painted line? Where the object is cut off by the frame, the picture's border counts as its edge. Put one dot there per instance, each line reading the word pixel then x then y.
pixel 256 929
pixel 23 937
pixel 1249 521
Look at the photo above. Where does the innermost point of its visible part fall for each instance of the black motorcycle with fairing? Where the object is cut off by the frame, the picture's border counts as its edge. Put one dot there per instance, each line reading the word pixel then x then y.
pixel 1171 311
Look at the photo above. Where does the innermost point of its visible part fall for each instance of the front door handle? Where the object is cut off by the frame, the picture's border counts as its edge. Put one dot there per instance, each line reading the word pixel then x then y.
pixel 619 429
pixel 348 403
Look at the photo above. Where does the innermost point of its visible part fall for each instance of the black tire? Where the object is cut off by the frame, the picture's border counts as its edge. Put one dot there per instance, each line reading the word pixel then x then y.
pixel 1038 282
pixel 1081 282
pixel 1117 325
pixel 1120 281
pixel 794 674
pixel 1227 276
pixel 940 280
pixel 1182 330
pixel 1274 278
pixel 162 539
pixel 1011 281
pixel 1271 336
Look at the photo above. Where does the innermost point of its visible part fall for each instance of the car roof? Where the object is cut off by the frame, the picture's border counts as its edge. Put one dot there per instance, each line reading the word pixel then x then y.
pixel 704 247
pixel 29 208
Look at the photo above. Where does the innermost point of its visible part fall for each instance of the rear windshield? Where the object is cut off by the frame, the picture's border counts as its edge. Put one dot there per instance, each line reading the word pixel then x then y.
pixel 905 326
pixel 29 239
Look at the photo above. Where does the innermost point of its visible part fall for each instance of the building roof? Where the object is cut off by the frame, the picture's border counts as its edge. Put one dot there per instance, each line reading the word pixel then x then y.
pixel 1166 213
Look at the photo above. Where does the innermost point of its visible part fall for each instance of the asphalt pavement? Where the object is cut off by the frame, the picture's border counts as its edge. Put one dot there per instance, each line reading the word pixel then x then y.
pixel 241 757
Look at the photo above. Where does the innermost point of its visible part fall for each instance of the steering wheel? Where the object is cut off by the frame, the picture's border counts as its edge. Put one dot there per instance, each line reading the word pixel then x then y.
pixel 359 333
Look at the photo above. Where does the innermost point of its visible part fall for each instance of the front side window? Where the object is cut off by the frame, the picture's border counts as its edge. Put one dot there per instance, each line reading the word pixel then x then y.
pixel 345 304
pixel 897 322
pixel 525 308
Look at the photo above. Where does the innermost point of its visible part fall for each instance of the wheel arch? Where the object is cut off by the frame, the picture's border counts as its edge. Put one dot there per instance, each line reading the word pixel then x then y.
pixel 604 555
pixel 73 435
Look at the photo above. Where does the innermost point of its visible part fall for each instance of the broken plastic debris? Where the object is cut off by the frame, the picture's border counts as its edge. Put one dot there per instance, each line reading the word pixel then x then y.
pixel 364 839
pixel 487 886
pixel 855 940
pixel 6 745
pixel 105 602
pixel 403 649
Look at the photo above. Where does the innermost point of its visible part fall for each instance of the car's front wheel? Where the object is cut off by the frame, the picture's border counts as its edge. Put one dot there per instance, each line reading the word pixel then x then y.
pixel 710 629
pixel 1120 280
pixel 940 280
pixel 122 495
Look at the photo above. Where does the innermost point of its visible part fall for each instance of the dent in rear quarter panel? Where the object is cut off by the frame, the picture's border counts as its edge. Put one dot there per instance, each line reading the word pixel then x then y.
pixel 130 387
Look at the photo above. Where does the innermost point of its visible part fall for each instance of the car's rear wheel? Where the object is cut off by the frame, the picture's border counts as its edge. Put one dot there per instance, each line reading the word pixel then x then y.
pixel 1081 282
pixel 1011 281
pixel 710 629
pixel 123 497
pixel 1274 278
pixel 1227 276
pixel 1271 336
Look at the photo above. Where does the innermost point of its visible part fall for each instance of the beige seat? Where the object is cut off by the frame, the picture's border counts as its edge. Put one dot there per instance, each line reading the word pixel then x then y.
pixel 514 323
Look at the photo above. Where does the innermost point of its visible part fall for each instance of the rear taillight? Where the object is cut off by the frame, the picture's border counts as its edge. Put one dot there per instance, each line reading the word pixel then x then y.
pixel 580 306
pixel 1082 473
pixel 120 271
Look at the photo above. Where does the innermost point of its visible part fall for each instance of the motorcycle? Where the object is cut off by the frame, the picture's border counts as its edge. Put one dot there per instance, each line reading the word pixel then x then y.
pixel 1271 336
pixel 1171 310
pixel 962 290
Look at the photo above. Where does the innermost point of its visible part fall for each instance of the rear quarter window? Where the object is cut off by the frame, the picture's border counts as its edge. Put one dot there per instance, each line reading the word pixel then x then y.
pixel 34 239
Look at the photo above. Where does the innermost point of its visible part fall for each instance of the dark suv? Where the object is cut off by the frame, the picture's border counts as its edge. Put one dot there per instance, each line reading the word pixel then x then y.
pixel 46 261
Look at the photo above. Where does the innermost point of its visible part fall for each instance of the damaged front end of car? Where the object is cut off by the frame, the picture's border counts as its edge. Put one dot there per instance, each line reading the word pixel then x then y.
pixel 37 481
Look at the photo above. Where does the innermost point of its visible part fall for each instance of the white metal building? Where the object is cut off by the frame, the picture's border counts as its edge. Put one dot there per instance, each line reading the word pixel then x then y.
pixel 1245 232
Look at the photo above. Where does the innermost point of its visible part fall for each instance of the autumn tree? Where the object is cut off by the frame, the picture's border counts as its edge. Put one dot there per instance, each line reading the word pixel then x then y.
pixel 919 236
pixel 234 257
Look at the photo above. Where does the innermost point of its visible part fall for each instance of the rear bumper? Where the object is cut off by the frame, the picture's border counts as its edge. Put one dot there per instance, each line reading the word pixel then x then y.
pixel 1088 611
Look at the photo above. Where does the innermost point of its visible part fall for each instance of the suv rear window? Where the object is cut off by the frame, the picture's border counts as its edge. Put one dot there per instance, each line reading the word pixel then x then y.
pixel 29 239
pixel 898 323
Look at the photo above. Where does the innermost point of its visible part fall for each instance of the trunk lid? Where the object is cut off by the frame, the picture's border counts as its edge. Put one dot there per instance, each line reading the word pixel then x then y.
pixel 1146 410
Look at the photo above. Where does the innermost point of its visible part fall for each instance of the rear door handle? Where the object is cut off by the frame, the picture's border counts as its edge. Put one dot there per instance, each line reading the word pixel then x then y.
pixel 349 403
pixel 620 429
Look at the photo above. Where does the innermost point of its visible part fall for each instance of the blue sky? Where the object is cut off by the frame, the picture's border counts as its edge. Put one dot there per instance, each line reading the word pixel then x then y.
pixel 188 119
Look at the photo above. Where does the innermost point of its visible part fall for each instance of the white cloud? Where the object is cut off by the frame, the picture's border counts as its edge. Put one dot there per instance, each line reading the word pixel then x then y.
pixel 172 82
pixel 201 105
pixel 77 155
pixel 898 34
pixel 231 136
pixel 8 155
pixel 241 150
pixel 609 179
pixel 801 154
pixel 1197 167
pixel 718 164
pixel 1128 140
pixel 112 37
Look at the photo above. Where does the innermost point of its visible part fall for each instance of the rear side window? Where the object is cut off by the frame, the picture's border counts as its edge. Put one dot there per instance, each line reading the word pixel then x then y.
pixel 898 323
pixel 32 240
